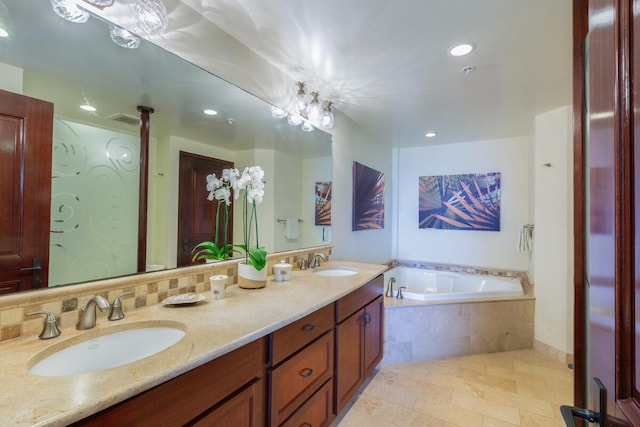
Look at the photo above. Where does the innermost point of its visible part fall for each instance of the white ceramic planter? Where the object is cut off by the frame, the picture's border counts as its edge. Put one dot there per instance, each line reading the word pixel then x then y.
pixel 250 278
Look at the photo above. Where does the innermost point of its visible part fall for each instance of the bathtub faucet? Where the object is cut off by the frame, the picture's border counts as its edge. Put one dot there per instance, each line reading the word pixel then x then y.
pixel 400 296
pixel 389 291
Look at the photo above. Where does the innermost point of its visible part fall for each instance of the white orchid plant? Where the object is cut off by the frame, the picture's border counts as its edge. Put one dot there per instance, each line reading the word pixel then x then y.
pixel 250 186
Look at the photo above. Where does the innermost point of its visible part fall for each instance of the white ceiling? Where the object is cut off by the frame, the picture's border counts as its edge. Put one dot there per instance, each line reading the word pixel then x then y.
pixel 385 62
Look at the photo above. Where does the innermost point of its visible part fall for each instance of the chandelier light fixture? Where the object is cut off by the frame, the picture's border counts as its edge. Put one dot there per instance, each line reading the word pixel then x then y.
pixel 123 38
pixel 306 113
pixel 69 10
pixel 151 16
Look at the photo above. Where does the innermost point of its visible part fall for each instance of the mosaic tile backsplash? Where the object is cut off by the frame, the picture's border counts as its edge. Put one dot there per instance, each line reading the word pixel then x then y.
pixel 148 289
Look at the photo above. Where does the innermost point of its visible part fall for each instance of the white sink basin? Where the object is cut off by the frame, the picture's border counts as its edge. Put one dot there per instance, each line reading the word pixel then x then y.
pixel 111 348
pixel 337 271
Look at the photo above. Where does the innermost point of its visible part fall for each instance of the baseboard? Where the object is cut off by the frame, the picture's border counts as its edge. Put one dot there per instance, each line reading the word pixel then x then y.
pixel 553 352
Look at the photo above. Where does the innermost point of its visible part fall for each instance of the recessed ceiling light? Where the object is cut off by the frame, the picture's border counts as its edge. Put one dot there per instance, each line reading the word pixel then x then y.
pixel 3 32
pixel 88 107
pixel 461 49
pixel 430 134
pixel 210 112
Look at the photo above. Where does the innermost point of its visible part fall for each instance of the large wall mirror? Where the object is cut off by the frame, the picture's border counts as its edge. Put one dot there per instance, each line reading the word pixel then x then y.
pixel 96 154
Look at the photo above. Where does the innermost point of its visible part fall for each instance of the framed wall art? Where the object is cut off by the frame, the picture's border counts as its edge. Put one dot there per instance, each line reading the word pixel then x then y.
pixel 368 198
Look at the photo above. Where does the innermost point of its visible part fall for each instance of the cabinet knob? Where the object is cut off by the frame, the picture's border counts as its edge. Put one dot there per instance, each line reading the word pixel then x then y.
pixel 306 372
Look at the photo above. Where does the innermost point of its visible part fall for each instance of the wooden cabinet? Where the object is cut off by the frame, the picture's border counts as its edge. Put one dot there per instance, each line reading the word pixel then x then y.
pixel 317 411
pixel 359 335
pixel 226 391
pixel 302 358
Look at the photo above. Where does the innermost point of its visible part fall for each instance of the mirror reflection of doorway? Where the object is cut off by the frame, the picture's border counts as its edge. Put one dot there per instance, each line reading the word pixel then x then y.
pixel 196 214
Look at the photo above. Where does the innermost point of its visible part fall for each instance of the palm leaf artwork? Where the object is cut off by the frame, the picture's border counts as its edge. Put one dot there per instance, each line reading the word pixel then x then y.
pixel 368 198
pixel 460 202
pixel 323 203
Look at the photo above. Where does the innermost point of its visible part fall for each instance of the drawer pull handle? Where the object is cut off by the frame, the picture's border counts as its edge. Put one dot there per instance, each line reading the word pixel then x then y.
pixel 308 327
pixel 306 372
pixel 307 425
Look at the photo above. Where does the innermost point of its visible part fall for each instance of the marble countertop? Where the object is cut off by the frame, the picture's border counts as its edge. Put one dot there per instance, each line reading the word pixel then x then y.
pixel 213 328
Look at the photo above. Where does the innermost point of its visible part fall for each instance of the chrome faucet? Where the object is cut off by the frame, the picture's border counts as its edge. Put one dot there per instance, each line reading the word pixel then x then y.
pixel 389 291
pixel 313 259
pixel 87 314
pixel 116 308
pixel 50 327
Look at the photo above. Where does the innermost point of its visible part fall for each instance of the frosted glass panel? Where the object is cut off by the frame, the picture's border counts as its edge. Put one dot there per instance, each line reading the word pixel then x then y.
pixel 94 203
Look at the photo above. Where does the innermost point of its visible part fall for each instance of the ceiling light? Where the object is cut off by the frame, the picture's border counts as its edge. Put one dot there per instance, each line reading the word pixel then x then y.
pixel 123 38
pixel 461 49
pixel 209 112
pixel 277 112
pixel 307 126
pixel 314 112
pixel 430 134
pixel 299 102
pixel 294 119
pixel 70 11
pixel 87 107
pixel 151 16
pixel 327 116
pixel 3 32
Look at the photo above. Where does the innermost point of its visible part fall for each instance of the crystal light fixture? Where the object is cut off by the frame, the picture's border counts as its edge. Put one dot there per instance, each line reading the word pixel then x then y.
pixel 314 111
pixel 123 38
pixel 6 22
pixel 151 16
pixel 70 11
pixel 327 116
pixel 300 101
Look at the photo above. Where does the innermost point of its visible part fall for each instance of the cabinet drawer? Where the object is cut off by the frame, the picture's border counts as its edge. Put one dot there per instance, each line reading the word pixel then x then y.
pixel 298 378
pixel 293 337
pixel 357 299
pixel 315 412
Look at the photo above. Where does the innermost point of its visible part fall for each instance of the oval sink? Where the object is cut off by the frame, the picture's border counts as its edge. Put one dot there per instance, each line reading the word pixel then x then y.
pixel 111 348
pixel 337 271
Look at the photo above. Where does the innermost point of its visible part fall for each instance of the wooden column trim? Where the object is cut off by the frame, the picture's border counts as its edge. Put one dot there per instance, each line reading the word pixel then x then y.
pixel 145 112
pixel 580 29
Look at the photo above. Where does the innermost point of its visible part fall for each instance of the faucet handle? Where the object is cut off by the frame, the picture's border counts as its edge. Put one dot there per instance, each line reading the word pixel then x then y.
pixel 303 264
pixel 50 327
pixel 116 312
pixel 400 296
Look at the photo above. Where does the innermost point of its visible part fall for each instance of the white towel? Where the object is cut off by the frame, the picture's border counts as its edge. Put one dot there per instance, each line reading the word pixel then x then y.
pixel 525 238
pixel 291 228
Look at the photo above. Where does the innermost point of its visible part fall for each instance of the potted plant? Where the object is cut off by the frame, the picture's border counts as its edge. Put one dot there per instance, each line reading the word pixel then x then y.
pixel 252 273
pixel 220 190
pixel 248 186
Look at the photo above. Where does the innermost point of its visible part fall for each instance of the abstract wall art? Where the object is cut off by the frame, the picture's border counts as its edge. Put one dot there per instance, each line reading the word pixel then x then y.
pixel 368 198
pixel 460 202
pixel 323 203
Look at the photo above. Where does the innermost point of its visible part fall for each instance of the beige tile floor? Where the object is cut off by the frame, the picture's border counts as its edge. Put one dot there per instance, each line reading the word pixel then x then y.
pixel 515 388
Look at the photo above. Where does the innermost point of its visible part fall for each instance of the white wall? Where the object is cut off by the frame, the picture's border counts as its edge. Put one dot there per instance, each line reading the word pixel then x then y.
pixel 351 143
pixel 552 264
pixel 11 78
pixel 510 157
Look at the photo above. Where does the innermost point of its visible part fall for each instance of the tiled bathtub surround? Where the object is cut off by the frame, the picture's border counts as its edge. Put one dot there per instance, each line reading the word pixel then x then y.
pixel 149 288
pixel 422 331
pixel 417 330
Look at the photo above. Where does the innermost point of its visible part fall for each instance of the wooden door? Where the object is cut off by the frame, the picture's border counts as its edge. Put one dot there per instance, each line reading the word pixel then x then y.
pixel 196 214
pixel 607 212
pixel 26 129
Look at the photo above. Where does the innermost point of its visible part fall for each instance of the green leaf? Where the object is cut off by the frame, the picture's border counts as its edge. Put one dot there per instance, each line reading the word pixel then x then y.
pixel 258 257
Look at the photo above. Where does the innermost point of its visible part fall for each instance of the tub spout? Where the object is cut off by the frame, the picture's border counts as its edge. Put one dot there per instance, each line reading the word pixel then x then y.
pixel 389 292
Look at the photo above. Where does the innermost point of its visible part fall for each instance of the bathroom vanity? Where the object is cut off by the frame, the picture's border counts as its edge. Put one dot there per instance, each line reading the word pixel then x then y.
pixel 292 353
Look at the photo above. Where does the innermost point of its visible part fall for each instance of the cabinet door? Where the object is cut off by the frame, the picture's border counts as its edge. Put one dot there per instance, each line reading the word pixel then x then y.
pixel 243 410
pixel 349 358
pixel 373 333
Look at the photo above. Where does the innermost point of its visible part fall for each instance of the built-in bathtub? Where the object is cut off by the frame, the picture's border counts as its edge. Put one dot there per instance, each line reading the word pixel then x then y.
pixel 448 314
pixel 431 285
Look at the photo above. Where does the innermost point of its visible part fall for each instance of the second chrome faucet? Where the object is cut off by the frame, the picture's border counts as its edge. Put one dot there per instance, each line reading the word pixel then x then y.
pixel 87 314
